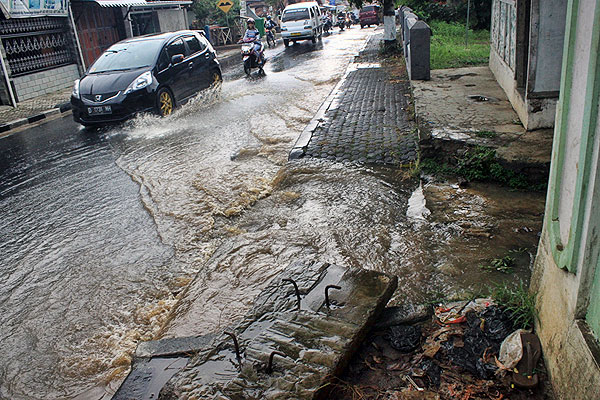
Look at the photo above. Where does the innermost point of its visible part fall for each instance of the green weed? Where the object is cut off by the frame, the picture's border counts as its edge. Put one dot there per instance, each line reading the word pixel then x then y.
pixel 486 134
pixel 519 302
pixel 504 264
pixel 480 164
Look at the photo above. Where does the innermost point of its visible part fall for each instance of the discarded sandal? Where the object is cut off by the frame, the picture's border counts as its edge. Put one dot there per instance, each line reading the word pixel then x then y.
pixel 524 375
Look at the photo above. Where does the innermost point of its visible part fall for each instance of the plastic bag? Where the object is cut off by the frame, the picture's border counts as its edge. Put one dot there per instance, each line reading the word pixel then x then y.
pixel 511 349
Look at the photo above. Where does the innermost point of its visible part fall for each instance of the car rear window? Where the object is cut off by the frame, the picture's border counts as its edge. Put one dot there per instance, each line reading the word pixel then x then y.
pixel 295 15
pixel 128 55
pixel 176 48
pixel 368 8
pixel 194 44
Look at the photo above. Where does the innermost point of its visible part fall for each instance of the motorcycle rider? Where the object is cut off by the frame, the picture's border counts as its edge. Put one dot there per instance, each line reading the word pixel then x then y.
pixel 270 24
pixel 253 35
pixel 270 27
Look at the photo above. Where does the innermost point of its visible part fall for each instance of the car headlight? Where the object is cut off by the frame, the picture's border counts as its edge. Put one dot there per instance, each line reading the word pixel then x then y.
pixel 75 92
pixel 283 28
pixel 142 81
pixel 308 27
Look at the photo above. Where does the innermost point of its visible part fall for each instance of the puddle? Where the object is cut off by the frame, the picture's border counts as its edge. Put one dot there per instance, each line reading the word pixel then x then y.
pixel 479 98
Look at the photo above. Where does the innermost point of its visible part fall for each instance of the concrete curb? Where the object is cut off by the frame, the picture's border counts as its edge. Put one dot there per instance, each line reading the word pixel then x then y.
pixel 299 149
pixel 229 60
pixel 59 109
pixel 301 144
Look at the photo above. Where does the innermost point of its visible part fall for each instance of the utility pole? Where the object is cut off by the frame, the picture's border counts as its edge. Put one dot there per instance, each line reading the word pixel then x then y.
pixel 467 29
pixel 389 23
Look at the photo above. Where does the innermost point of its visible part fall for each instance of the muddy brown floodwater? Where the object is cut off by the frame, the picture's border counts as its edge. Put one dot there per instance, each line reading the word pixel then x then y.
pixel 99 257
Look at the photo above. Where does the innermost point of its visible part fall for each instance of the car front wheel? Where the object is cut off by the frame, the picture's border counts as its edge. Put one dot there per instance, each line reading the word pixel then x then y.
pixel 165 102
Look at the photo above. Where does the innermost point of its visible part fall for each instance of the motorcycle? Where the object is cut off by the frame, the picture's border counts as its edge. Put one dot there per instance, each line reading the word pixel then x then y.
pixel 249 57
pixel 327 24
pixel 341 22
pixel 354 19
pixel 271 37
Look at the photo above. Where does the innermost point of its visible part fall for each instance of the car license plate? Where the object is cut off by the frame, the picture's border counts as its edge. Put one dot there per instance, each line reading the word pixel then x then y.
pixel 295 33
pixel 103 110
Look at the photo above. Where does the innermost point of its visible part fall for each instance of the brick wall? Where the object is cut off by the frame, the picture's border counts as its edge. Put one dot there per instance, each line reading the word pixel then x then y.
pixel 40 83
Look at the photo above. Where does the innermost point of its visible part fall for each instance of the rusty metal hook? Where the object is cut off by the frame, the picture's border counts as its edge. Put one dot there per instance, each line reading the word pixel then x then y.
pixel 270 366
pixel 237 348
pixel 327 292
pixel 295 289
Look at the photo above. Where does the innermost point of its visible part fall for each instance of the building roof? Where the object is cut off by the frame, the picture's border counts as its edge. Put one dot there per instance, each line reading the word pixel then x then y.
pixel 137 3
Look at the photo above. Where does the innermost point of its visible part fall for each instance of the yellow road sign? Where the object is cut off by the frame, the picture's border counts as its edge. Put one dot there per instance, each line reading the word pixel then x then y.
pixel 224 5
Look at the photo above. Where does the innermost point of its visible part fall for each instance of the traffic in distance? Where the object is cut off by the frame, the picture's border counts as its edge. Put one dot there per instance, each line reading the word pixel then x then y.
pixel 159 72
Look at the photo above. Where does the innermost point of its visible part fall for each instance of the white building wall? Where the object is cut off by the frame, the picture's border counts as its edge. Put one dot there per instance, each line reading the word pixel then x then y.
pixel 41 83
pixel 171 20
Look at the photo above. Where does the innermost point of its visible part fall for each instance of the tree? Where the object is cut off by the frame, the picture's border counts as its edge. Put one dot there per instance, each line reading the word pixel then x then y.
pixel 207 12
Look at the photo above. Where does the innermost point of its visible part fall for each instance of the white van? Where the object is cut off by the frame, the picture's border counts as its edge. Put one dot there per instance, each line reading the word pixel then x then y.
pixel 301 21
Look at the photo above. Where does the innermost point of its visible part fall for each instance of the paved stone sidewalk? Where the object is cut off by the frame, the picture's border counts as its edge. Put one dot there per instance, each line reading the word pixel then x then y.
pixel 37 105
pixel 366 120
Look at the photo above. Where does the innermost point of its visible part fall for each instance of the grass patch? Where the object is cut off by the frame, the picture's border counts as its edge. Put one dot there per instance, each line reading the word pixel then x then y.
pixel 448 46
pixel 519 302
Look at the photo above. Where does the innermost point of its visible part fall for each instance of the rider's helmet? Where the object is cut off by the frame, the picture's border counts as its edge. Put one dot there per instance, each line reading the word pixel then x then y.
pixel 250 21
pixel 268 17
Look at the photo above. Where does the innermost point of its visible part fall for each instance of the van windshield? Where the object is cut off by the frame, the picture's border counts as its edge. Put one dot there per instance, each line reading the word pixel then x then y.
pixel 295 15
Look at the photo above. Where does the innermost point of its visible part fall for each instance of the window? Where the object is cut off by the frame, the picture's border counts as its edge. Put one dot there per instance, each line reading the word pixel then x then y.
pixel 295 15
pixel 163 60
pixel 177 47
pixel 194 45
pixel 128 55
pixel 312 14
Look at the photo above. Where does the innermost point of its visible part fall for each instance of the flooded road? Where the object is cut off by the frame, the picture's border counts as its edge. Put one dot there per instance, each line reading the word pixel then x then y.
pixel 101 231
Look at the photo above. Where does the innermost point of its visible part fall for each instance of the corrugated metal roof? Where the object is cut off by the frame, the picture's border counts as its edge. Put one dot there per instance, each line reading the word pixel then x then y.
pixel 137 3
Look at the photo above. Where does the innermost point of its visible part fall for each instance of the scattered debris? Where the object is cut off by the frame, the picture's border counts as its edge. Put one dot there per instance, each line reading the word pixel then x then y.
pixel 463 351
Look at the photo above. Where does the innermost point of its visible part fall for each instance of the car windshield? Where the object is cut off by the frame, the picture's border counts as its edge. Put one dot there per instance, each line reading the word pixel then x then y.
pixel 295 15
pixel 126 56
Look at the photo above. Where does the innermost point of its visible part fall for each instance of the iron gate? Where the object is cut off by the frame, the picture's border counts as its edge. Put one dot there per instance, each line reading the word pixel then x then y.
pixel 36 44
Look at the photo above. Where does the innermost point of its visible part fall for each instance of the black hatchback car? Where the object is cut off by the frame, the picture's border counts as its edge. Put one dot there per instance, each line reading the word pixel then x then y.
pixel 147 73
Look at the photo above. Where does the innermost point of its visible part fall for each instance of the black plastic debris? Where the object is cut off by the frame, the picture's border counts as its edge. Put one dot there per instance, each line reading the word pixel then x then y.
pixel 405 338
pixel 483 337
pixel 433 372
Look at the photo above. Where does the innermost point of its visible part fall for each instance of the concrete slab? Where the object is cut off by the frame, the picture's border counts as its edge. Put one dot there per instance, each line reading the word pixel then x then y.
pixel 314 343
pixel 453 102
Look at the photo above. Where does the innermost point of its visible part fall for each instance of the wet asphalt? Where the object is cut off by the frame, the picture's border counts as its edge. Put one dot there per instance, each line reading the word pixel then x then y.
pixel 101 229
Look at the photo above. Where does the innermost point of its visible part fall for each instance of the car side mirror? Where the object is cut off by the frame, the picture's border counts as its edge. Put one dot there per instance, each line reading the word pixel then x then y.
pixel 176 59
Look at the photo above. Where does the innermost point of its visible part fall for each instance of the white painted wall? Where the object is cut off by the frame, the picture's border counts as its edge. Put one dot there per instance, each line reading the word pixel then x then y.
pixel 40 83
pixel 171 20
